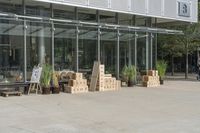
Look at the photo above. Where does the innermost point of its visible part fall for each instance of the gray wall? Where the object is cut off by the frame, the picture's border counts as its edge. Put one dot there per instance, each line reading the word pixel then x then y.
pixel 155 8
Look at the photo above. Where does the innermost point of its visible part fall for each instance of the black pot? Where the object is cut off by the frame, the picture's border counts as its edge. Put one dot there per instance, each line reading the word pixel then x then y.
pixel 55 90
pixel 161 81
pixel 130 83
pixel 46 91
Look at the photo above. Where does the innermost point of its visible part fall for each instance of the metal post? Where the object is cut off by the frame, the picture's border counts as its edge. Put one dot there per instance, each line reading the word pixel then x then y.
pixel 147 51
pixel 117 47
pixel 25 42
pixel 52 39
pixel 135 52
pixel 156 44
pixel 151 50
pixel 118 41
pixel 98 38
pixel 77 41
pixel 129 50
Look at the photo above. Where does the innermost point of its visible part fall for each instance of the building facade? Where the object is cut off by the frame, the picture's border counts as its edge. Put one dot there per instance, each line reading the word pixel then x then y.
pixel 72 34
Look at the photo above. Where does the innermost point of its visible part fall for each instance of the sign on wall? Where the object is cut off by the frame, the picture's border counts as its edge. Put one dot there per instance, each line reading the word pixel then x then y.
pixel 184 9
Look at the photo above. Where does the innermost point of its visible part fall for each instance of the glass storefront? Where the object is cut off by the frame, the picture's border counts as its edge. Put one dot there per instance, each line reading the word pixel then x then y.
pixel 38 45
pixel 11 49
pixel 44 25
pixel 87 48
pixel 108 49
pixel 64 47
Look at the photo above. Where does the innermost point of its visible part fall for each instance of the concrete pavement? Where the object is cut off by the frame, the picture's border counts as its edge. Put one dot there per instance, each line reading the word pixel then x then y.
pixel 172 108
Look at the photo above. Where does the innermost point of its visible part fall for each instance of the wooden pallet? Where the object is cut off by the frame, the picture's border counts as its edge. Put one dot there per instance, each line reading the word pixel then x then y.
pixel 94 78
pixel 13 93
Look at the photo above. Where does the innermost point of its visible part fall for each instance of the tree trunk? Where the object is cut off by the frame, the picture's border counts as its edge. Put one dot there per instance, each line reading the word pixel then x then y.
pixel 172 63
pixel 186 61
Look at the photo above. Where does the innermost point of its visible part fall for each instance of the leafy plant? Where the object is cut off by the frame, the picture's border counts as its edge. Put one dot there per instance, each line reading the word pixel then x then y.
pixel 46 75
pixel 129 73
pixel 55 80
pixel 161 66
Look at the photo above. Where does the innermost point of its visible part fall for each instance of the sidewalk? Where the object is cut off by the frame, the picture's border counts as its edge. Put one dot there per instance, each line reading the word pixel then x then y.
pixel 171 108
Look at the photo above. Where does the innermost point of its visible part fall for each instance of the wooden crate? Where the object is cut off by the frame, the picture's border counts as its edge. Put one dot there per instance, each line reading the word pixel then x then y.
pixel 80 82
pixel 151 73
pixel 77 76
pixel 74 90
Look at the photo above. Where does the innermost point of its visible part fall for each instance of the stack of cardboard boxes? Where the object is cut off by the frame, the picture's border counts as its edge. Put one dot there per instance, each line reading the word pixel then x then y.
pixel 111 83
pixel 77 84
pixel 101 78
pixel 104 82
pixel 151 79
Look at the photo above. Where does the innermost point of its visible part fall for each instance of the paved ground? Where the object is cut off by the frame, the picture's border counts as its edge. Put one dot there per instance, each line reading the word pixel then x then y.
pixel 172 108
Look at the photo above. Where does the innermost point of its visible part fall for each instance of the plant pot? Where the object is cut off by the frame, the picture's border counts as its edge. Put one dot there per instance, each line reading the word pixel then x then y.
pixel 55 90
pixel 161 81
pixel 46 91
pixel 130 83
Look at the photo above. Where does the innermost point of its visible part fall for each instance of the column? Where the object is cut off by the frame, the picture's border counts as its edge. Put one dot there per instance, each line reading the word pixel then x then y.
pixel 41 48
pixel 52 39
pixel 98 38
pixel 25 43
pixel 117 47
pixel 77 41
pixel 129 50
pixel 147 51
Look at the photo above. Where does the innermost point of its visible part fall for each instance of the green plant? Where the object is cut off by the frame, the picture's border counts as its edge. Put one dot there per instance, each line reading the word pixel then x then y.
pixel 161 66
pixel 46 75
pixel 129 73
pixel 55 80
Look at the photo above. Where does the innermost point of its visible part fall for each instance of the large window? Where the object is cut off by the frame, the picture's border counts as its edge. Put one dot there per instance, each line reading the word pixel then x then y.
pixel 36 8
pixel 64 47
pixel 141 51
pixel 87 48
pixel 38 45
pixel 11 50
pixel 11 6
pixel 108 49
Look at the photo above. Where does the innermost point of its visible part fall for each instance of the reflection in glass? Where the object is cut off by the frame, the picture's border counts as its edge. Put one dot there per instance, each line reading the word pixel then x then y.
pixel 108 49
pixel 87 48
pixel 11 50
pixel 64 47
pixel 38 45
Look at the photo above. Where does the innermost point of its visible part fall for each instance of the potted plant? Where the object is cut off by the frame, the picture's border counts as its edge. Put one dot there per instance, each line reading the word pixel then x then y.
pixel 129 73
pixel 55 84
pixel 161 66
pixel 46 78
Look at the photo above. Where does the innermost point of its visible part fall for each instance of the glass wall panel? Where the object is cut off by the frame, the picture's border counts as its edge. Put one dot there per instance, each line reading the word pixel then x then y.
pixel 11 50
pixel 141 51
pixel 11 6
pixel 86 15
pixel 140 21
pixel 64 47
pixel 127 49
pixel 125 19
pixel 36 8
pixel 87 48
pixel 38 45
pixel 63 12
pixel 124 49
pixel 108 49
pixel 107 17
